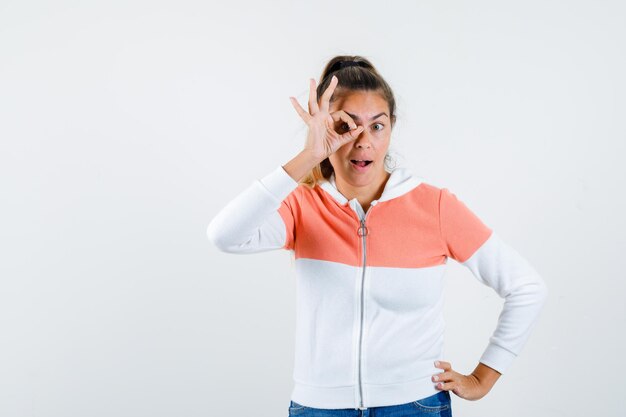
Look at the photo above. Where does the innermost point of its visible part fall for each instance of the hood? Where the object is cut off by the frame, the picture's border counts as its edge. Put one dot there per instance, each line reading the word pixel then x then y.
pixel 400 182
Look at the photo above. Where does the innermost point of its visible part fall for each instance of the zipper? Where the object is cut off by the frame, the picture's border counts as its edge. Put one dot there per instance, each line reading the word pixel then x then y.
pixel 363 232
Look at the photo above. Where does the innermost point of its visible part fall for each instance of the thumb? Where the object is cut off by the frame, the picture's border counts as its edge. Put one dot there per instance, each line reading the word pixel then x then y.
pixel 351 135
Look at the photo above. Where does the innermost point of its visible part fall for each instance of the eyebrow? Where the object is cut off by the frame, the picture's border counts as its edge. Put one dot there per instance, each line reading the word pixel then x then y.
pixel 355 117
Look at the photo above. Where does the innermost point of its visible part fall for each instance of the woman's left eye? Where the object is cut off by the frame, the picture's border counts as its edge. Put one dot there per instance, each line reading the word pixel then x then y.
pixel 381 126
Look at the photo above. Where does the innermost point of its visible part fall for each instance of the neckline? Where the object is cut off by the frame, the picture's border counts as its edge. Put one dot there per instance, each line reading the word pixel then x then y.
pixel 400 181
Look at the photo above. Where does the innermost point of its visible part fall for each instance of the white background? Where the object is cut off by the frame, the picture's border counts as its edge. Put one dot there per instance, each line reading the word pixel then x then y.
pixel 125 126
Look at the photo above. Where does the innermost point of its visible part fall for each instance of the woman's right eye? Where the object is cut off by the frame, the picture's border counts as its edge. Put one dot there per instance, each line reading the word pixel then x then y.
pixel 345 126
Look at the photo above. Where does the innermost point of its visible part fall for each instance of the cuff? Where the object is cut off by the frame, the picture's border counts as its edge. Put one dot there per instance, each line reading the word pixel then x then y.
pixel 497 357
pixel 278 183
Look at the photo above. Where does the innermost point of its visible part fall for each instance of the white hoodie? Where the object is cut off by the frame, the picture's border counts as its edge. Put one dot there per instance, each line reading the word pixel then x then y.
pixel 369 321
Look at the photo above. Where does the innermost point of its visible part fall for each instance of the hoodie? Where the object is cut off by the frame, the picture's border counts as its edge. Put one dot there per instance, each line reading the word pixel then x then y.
pixel 369 285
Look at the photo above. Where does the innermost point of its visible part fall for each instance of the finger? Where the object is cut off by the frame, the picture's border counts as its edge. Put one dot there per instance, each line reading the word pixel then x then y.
pixel 313 107
pixel 445 376
pixel 445 380
pixel 351 135
pixel 328 93
pixel 303 114
pixel 341 115
pixel 443 365
pixel 446 386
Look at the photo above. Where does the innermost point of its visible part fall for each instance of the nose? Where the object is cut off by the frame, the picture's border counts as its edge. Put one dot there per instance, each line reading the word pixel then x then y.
pixel 363 141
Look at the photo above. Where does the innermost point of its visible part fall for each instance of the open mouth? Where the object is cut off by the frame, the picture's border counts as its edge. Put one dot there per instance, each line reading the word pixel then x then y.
pixel 360 163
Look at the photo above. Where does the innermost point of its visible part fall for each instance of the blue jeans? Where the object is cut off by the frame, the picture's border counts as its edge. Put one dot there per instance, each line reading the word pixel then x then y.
pixel 438 405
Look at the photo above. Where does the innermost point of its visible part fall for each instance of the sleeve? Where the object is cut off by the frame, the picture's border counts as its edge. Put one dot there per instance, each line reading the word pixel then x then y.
pixel 259 219
pixel 497 265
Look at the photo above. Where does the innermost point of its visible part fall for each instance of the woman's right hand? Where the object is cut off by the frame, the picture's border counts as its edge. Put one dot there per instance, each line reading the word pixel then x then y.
pixel 322 139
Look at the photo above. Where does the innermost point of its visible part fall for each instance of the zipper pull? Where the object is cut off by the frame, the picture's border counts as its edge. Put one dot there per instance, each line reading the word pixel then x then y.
pixel 363 229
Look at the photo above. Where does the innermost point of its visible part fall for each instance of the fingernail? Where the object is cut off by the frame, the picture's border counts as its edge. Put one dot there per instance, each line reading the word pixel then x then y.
pixel 436 378
pixel 436 363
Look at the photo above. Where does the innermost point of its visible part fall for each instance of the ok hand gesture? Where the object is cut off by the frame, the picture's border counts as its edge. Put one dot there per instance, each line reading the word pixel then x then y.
pixel 322 139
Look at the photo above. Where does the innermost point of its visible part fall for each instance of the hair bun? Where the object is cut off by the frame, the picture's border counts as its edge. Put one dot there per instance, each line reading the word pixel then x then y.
pixel 345 64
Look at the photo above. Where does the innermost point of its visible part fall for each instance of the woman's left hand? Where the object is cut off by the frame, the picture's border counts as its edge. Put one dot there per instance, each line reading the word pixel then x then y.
pixel 465 386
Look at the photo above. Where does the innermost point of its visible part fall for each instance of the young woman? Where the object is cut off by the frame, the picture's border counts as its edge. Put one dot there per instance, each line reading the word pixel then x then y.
pixel 371 246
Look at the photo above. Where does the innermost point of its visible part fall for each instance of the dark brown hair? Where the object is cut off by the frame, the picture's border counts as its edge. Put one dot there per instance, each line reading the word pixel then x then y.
pixel 354 73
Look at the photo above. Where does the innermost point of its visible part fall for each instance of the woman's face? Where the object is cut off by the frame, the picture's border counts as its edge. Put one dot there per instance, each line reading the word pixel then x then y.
pixel 370 110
